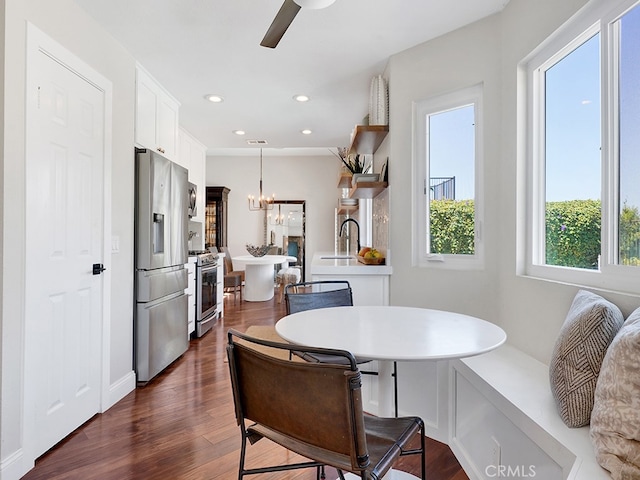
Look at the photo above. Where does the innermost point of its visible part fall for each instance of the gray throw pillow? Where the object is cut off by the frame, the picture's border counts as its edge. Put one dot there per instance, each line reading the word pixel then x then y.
pixel 615 420
pixel 589 328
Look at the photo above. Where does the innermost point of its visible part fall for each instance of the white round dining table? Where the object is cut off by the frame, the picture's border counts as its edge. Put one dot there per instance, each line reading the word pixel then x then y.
pixel 259 275
pixel 392 333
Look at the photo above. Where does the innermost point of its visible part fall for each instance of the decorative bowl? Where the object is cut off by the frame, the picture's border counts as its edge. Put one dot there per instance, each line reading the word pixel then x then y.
pixel 260 251
pixel 371 261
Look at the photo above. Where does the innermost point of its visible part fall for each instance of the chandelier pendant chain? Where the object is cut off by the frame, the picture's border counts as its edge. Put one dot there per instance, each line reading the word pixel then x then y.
pixel 263 203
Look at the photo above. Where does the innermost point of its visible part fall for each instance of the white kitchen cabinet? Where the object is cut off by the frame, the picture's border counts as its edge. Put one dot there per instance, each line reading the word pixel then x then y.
pixel 220 285
pixel 190 291
pixel 369 283
pixel 156 116
pixel 192 155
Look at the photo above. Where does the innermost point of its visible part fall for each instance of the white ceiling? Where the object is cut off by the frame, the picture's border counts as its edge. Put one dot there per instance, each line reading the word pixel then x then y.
pixel 196 47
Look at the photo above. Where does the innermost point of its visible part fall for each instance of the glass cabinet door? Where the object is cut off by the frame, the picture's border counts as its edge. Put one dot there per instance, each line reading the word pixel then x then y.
pixel 215 233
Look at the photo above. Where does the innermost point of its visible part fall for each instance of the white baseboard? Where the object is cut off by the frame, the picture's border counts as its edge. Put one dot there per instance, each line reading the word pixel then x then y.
pixel 15 466
pixel 118 390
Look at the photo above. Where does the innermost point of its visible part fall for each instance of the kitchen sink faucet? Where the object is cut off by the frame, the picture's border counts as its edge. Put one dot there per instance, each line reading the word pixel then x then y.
pixel 357 227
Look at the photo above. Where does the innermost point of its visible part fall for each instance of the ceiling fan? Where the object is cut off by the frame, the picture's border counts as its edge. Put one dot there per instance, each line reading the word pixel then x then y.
pixel 285 16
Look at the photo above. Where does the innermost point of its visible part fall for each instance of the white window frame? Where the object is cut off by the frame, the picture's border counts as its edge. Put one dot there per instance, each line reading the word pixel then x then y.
pixel 420 225
pixel 597 16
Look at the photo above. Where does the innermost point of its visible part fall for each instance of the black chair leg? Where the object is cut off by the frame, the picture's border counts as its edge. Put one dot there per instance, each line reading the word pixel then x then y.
pixel 395 386
pixel 243 452
pixel 424 453
pixel 320 475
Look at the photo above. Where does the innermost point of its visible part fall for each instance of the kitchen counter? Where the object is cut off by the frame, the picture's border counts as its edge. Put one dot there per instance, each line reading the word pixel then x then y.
pixel 328 263
pixel 369 283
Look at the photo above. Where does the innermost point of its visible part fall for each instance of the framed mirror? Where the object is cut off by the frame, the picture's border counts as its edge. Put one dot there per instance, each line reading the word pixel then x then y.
pixel 285 229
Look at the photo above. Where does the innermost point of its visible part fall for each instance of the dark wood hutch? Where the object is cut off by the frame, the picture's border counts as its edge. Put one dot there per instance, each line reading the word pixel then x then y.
pixel 215 226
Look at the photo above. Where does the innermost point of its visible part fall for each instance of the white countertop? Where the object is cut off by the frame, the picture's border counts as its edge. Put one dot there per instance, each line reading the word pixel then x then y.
pixel 264 260
pixel 325 263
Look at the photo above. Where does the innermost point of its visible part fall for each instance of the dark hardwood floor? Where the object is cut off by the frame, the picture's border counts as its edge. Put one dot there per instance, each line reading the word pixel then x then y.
pixel 182 424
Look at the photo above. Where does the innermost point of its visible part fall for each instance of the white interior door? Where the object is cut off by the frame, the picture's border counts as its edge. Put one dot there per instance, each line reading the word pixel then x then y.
pixel 63 299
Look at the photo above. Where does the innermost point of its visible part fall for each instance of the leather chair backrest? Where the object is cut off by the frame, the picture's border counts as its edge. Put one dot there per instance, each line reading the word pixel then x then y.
pixel 301 301
pixel 228 263
pixel 313 409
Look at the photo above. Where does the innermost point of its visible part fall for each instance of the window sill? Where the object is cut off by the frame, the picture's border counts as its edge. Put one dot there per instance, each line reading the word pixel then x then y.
pixel 626 283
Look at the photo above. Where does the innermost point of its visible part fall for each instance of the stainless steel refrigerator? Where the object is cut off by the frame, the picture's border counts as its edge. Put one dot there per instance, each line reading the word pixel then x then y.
pixel 161 231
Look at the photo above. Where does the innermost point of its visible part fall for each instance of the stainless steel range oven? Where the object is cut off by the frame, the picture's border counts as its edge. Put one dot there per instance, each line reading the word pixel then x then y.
pixel 206 292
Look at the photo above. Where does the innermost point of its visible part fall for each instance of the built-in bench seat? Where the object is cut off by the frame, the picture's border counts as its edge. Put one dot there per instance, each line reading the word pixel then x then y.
pixel 505 423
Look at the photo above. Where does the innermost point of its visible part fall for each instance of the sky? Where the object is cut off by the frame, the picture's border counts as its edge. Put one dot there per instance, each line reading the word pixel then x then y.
pixel 573 159
pixel 630 108
pixel 572 107
pixel 453 155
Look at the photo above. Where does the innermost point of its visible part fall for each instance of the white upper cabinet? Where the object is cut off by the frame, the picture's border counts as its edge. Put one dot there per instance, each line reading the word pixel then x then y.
pixel 192 155
pixel 156 116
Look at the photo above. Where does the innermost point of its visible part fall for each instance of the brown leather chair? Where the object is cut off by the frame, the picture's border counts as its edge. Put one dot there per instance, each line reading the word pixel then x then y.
pixel 233 279
pixel 228 264
pixel 313 409
pixel 233 283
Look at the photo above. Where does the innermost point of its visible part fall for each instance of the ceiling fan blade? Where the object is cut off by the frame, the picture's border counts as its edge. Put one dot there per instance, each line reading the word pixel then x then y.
pixel 284 17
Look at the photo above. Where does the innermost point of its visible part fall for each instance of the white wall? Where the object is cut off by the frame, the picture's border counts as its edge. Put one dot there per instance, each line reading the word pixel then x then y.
pixel 67 24
pixel 460 59
pixel 489 51
pixel 313 179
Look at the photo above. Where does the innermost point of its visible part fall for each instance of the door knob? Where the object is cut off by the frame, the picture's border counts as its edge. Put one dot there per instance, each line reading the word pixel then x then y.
pixel 98 268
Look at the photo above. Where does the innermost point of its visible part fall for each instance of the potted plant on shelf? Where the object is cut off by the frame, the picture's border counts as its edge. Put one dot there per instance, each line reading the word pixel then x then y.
pixel 356 164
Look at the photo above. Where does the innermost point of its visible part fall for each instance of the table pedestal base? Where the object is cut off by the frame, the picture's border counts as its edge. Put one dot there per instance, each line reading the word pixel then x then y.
pixel 386 401
pixel 258 282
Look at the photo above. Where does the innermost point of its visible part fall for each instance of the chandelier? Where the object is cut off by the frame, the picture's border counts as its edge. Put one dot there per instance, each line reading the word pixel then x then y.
pixel 261 203
pixel 278 219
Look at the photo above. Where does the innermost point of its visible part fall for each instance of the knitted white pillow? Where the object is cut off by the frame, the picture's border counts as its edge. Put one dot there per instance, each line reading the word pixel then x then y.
pixel 591 324
pixel 615 420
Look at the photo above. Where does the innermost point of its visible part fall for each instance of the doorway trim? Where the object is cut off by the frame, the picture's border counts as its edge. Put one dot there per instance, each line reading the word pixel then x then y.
pixel 302 244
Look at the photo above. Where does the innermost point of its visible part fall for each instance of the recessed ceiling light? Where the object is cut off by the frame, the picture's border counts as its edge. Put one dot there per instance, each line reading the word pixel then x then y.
pixel 239 132
pixel 306 131
pixel 301 98
pixel 214 98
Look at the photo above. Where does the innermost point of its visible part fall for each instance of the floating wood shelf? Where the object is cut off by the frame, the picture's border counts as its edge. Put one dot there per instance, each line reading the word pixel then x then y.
pixel 367 189
pixel 345 181
pixel 367 138
pixel 345 210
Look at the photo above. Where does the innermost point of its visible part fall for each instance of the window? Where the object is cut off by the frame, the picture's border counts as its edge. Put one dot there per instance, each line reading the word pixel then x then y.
pixel 628 29
pixel 584 104
pixel 447 161
pixel 572 158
